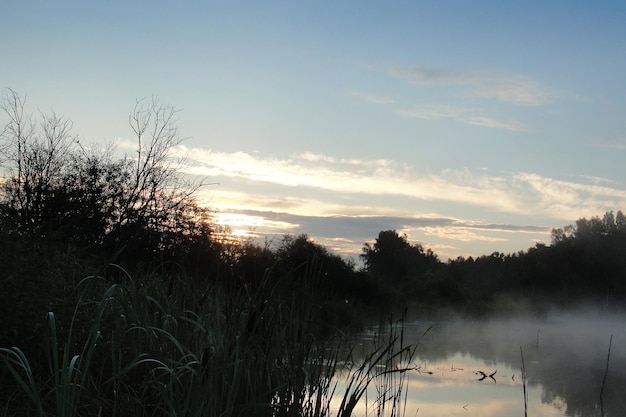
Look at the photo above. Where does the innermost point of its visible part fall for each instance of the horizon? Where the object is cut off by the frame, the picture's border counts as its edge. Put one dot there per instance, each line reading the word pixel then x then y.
pixel 472 128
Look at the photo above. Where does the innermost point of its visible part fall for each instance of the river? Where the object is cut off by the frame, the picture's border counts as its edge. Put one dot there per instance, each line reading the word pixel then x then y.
pixel 474 368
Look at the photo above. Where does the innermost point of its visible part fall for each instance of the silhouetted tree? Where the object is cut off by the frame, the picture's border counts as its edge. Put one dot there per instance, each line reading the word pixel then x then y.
pixel 54 185
pixel 34 159
pixel 562 234
pixel 394 259
pixel 303 258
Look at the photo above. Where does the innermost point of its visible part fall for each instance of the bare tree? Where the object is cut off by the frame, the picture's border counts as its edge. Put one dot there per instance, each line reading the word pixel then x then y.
pixel 158 193
pixel 33 157
pixel 15 136
pixel 52 182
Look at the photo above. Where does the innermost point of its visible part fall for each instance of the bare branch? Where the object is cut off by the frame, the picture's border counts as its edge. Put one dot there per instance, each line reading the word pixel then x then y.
pixel 33 156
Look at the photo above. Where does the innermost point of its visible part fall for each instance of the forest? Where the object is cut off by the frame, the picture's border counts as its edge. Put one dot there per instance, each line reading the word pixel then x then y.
pixel 119 294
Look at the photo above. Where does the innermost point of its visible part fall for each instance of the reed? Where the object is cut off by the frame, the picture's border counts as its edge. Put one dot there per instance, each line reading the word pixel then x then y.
pixel 524 383
pixel 383 370
pixel 159 347
pixel 606 371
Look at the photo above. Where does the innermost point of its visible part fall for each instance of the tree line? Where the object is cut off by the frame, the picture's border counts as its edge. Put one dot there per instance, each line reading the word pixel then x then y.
pixel 583 263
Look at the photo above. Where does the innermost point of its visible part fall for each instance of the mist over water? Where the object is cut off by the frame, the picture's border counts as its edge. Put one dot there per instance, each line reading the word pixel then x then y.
pixel 565 359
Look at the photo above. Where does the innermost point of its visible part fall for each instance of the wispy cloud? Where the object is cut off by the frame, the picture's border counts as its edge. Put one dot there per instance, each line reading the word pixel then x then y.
pixel 472 232
pixel 567 199
pixel 519 193
pixel 619 144
pixel 462 234
pixel 347 234
pixel 372 98
pixel 433 112
pixel 428 75
pixel 509 88
pixel 460 115
pixel 494 123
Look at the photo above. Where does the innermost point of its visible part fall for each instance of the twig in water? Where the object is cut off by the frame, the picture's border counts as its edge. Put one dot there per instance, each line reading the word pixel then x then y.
pixel 484 375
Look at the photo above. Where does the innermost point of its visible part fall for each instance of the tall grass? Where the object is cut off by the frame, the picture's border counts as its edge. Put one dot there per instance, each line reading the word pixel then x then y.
pixel 160 347
pixel 69 371
pixel 377 380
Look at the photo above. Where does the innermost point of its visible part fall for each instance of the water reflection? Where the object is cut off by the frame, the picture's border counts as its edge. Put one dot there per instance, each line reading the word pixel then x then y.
pixel 474 368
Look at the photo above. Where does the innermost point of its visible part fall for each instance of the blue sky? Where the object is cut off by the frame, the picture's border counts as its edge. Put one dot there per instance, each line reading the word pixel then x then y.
pixel 471 126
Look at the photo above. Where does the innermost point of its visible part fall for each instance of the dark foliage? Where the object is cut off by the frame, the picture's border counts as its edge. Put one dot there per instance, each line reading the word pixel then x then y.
pixel 409 272
pixel 584 263
pixel 394 259
pixel 68 211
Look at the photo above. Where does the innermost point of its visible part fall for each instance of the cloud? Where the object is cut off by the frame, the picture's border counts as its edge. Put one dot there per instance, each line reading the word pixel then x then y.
pixel 567 199
pixel 458 114
pixel 347 234
pixel 511 89
pixel 507 228
pixel 428 76
pixel 619 144
pixel 464 232
pixel 433 112
pixel 504 87
pixel 372 98
pixel 519 193
pixel 494 123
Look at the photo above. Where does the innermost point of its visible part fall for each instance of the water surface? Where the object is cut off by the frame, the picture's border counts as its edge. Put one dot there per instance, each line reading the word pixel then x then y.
pixel 474 368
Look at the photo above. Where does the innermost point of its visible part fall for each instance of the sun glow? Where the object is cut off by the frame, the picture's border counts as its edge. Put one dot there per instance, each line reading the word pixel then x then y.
pixel 248 226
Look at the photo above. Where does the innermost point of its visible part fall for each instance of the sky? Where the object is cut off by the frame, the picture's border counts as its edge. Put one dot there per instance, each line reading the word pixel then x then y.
pixel 471 126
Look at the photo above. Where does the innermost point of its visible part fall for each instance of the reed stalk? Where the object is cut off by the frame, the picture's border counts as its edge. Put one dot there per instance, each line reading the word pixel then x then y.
pixel 606 371
pixel 524 383
pixel 144 348
pixel 383 369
